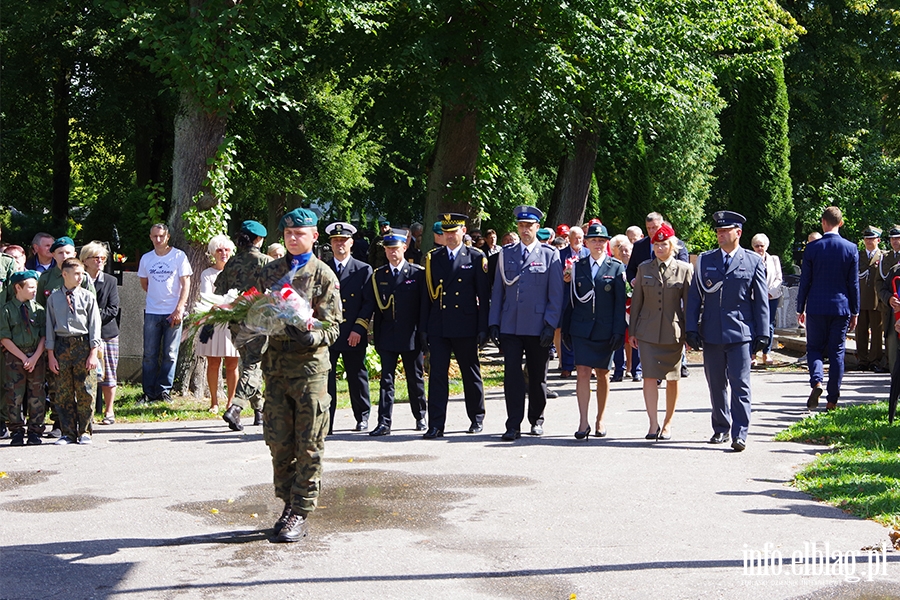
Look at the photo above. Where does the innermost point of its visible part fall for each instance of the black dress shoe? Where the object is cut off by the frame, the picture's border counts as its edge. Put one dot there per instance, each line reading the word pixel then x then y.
pixel 617 378
pixel 232 416
pixel 295 528
pixel 739 445
pixel 380 430
pixel 537 430
pixel 257 417
pixel 433 432
pixel 510 435
pixel 654 435
pixel 684 371
pixel 552 394
pixel 475 428
pixel 362 426
pixel 421 425
pixel 719 438
pixel 813 401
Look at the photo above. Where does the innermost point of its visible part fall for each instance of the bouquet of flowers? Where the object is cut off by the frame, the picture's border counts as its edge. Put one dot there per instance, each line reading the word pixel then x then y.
pixel 259 313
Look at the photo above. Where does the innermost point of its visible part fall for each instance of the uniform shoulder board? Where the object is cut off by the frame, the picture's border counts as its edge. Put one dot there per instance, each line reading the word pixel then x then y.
pixel 476 252
pixel 414 267
pixel 510 245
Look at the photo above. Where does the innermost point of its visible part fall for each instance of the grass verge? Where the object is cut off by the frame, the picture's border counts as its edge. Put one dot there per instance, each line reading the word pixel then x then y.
pixel 187 408
pixel 860 472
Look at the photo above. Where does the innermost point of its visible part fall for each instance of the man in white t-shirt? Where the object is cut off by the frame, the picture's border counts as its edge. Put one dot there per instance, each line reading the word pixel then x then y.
pixel 166 277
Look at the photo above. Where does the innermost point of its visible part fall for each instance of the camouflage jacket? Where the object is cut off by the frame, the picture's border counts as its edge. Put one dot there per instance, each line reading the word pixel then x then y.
pixel 242 271
pixel 319 285
pixel 7 268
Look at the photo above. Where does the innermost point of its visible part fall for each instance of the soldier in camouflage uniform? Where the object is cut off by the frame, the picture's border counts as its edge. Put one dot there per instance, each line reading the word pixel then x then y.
pixel 295 368
pixel 7 268
pixel 22 327
pixel 241 273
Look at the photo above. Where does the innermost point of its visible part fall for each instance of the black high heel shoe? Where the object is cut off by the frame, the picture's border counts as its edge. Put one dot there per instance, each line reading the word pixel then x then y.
pixel 580 435
pixel 653 436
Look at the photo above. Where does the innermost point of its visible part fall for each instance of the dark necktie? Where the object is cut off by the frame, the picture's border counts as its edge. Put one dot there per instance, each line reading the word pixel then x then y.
pixel 727 262
pixel 395 271
pixel 25 318
pixel 662 270
pixel 340 267
pixel 70 300
pixel 524 254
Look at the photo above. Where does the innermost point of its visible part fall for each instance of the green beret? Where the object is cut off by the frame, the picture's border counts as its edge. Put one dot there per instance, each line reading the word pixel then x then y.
pixel 60 242
pixel 20 276
pixel 544 234
pixel 254 228
pixel 299 217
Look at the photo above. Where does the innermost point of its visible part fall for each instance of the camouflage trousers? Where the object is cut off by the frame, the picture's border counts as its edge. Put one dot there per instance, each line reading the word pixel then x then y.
pixel 249 385
pixel 295 421
pixel 74 387
pixel 24 390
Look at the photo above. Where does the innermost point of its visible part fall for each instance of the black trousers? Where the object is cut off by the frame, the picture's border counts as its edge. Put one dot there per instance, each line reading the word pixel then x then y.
pixel 466 351
pixel 414 365
pixel 357 381
pixel 536 360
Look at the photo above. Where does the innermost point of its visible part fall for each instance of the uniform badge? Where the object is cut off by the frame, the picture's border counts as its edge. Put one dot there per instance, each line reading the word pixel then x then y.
pixel 484 264
pixel 607 288
pixel 708 283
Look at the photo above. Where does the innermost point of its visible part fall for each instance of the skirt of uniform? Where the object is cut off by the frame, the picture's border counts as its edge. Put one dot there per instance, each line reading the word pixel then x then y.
pixel 595 355
pixel 218 345
pixel 660 361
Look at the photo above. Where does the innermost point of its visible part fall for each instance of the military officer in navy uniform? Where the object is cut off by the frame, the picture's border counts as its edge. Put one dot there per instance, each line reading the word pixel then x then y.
pixel 454 317
pixel 358 300
pixel 526 307
pixel 728 316
pixel 398 287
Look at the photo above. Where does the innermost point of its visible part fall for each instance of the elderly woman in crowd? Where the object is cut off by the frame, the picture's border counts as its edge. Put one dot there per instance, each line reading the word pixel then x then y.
pixel 276 251
pixel 594 324
pixel 219 346
pixel 774 279
pixel 658 303
pixel 94 256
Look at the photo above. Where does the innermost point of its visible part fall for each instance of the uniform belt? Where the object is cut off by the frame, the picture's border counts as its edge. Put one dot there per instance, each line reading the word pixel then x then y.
pixel 73 338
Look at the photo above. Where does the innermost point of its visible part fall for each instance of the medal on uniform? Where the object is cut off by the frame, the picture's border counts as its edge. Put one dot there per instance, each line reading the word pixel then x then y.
pixel 607 288
pixel 708 283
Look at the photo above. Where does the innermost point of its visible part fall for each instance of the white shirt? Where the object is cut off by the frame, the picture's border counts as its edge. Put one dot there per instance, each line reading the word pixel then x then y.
pixel 398 268
pixel 530 248
pixel 163 275
pixel 452 253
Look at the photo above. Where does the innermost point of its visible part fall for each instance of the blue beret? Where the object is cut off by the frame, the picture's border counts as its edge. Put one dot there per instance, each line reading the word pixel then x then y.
pixel 254 228
pixel 60 242
pixel 20 276
pixel 299 217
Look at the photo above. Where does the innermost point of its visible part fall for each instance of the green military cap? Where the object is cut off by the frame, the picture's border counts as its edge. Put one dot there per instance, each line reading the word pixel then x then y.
pixel 871 232
pixel 254 228
pixel 436 228
pixel 60 242
pixel 20 276
pixel 544 234
pixel 894 231
pixel 299 217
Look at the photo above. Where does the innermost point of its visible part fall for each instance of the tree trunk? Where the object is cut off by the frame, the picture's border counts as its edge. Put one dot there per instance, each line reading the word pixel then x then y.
pixel 62 168
pixel 452 172
pixel 198 135
pixel 573 182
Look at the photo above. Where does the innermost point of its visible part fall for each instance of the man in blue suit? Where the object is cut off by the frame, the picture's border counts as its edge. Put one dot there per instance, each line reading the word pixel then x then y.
pixel 828 302
pixel 728 316
pixel 526 306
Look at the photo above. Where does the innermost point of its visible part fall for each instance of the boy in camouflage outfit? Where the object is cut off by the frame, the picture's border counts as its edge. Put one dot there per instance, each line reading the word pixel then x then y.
pixel 22 326
pixel 73 341
pixel 295 367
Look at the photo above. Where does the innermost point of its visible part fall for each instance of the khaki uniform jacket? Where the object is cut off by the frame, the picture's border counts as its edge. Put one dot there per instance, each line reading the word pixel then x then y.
pixel 658 304
pixel 868 279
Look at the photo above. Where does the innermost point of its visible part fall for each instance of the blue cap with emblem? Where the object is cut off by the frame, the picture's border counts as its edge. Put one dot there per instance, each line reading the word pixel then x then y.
pixel 596 230
pixel 340 229
pixel 299 217
pixel 529 214
pixel 394 238
pixel 728 219
pixel 20 276
pixel 60 242
pixel 452 221
pixel 254 228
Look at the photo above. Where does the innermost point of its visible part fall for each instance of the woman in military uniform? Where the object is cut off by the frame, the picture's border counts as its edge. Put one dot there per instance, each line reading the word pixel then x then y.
pixel 594 323
pixel 657 324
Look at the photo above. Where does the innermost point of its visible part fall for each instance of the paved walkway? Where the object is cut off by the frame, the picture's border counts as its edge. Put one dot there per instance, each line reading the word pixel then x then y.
pixel 181 510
